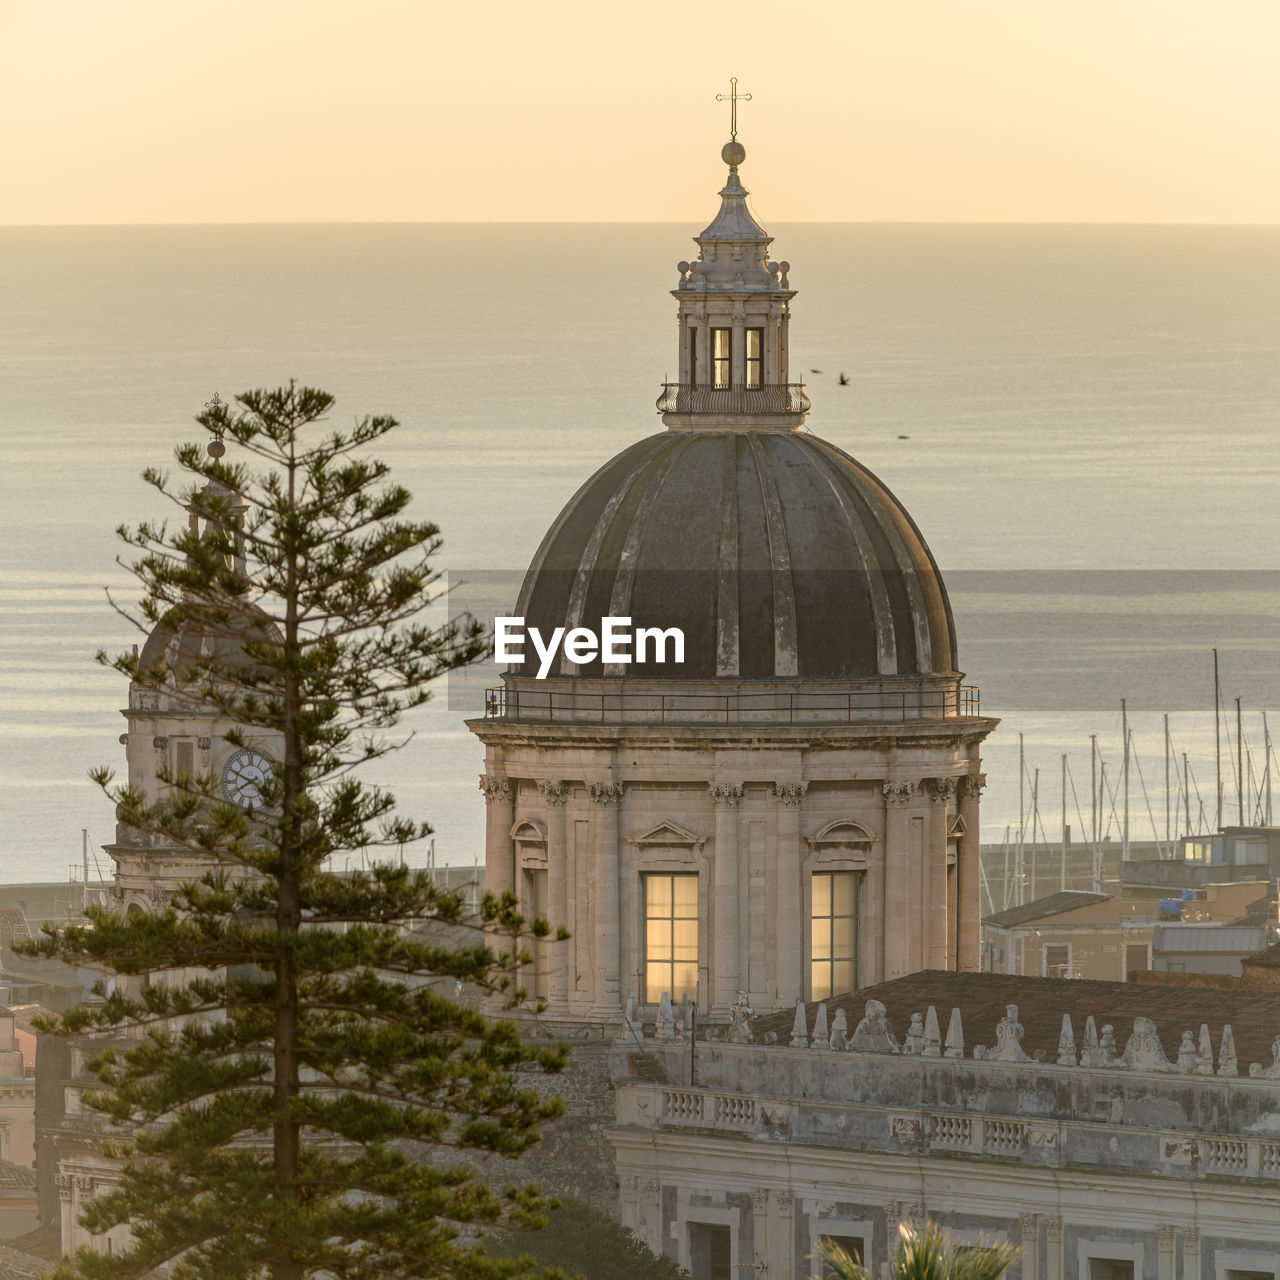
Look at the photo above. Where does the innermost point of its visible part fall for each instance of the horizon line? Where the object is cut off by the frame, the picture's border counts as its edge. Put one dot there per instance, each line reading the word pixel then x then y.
pixel 619 222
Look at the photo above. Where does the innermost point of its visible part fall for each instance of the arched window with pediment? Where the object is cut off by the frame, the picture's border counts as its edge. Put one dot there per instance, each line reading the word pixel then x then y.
pixel 833 875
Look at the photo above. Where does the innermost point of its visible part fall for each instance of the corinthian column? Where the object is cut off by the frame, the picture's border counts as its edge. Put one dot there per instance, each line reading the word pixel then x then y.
pixel 724 918
pixel 969 878
pixel 499 848
pixel 554 794
pixel 607 958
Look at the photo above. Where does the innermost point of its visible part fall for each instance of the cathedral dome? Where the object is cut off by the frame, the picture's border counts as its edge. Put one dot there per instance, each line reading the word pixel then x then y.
pixel 774 552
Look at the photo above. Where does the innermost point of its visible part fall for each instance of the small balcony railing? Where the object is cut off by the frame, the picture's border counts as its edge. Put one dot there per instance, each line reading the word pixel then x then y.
pixel 632 706
pixel 780 397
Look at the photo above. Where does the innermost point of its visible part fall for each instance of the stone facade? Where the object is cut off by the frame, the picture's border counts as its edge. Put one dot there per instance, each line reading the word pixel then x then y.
pixel 753 817
pixel 1144 1164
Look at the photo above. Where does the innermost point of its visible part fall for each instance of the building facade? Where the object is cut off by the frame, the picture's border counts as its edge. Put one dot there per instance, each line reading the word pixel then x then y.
pixel 1100 1151
pixel 784 802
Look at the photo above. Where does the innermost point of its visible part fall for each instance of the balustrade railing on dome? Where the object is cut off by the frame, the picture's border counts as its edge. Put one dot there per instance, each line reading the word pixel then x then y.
pixel 779 397
pixel 633 706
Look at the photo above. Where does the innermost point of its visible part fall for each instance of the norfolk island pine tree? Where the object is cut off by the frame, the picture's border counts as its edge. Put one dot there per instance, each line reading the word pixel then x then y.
pixel 293 1042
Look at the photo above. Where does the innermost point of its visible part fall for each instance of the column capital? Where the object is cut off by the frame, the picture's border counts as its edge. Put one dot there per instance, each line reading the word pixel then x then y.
pixel 1166 1237
pixel 1053 1229
pixel 725 792
pixel 942 790
pixel 495 789
pixel 1190 1237
pixel 759 1200
pixel 553 791
pixel 971 785
pixel 900 791
pixel 1028 1224
pixel 790 792
pixel 604 793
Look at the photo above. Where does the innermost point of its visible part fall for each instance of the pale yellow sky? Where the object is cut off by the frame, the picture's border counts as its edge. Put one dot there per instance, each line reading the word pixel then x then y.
pixel 391 110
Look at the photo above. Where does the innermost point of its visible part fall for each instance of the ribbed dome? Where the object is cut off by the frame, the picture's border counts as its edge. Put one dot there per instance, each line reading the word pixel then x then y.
pixel 777 555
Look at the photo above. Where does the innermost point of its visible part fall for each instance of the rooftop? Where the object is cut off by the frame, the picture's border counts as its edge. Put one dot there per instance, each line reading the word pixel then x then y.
pixel 1254 1016
pixel 1055 904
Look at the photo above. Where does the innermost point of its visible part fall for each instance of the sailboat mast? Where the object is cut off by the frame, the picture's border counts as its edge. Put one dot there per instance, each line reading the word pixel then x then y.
pixel 1064 822
pixel 1168 816
pixel 1239 763
pixel 1022 819
pixel 1217 733
pixel 1186 791
pixel 1124 836
pixel 1035 818
pixel 1093 786
pixel 1266 740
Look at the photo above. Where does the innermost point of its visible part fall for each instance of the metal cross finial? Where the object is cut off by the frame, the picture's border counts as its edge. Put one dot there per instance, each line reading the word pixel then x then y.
pixel 733 97
pixel 215 404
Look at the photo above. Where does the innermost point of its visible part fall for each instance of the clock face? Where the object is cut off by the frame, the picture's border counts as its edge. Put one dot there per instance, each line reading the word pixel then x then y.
pixel 244 774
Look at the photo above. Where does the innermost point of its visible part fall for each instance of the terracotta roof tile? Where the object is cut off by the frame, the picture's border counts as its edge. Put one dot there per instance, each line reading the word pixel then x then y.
pixel 1254 1015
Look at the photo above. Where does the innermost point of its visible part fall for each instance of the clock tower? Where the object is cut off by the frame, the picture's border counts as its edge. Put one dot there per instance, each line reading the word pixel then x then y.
pixel 171 732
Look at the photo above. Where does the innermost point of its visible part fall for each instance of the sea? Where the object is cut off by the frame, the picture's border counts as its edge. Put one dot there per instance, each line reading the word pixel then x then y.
pixel 1081 419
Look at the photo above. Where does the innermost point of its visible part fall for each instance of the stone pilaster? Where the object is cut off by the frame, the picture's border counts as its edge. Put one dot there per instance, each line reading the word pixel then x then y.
pixel 1053 1248
pixel 606 798
pixel 650 1214
pixel 934 873
pixel 760 1226
pixel 499 848
pixel 790 983
pixel 782 1235
pixel 1166 1244
pixel 900 882
pixel 1029 1245
pixel 554 794
pixel 1191 1253
pixel 724 919
pixel 969 878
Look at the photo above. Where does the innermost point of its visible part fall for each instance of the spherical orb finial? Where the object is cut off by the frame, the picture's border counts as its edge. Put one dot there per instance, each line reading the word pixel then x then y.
pixel 733 153
pixel 215 448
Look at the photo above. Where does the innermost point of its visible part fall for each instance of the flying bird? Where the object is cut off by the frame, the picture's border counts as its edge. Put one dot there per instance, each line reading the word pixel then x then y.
pixel 904 437
pixel 815 370
pixel 844 379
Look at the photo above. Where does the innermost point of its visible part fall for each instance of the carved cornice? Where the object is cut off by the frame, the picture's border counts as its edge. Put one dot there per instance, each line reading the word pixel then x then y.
pixel 553 791
pixel 605 793
pixel 495 789
pixel 725 792
pixel 900 791
pixel 791 793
